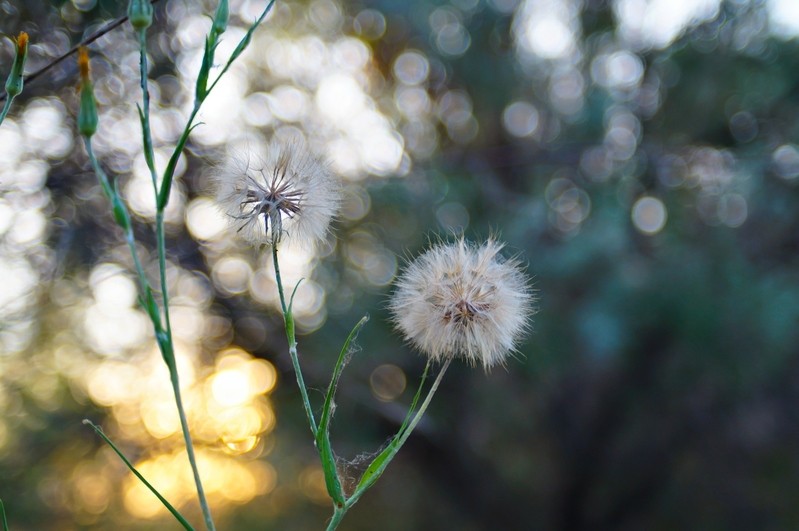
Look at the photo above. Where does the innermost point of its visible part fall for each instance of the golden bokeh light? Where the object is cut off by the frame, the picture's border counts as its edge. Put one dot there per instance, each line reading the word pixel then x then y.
pixel 228 411
pixel 226 480
pixel 93 491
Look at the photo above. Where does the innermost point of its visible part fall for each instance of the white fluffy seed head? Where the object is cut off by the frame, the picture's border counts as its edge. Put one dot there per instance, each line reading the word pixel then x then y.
pixel 286 193
pixel 463 300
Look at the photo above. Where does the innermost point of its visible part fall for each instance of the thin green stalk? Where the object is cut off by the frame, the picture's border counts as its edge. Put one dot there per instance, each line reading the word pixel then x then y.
pixel 164 334
pixel 162 200
pixel 147 484
pixel 338 515
pixel 3 513
pixel 201 93
pixel 6 107
pixel 166 345
pixel 288 321
pixel 184 426
pixel 109 192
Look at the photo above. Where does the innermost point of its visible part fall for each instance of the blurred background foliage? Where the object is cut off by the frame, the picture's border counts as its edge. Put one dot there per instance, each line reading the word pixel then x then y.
pixel 640 156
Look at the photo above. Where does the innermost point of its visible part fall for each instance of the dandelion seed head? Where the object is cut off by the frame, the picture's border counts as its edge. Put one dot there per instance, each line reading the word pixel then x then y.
pixel 284 193
pixel 463 300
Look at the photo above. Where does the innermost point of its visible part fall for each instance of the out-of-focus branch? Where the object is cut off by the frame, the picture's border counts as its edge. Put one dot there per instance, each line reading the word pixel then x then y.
pixel 88 40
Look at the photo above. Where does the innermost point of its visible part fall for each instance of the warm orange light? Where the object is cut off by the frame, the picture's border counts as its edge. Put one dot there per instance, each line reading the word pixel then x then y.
pixel 22 42
pixel 226 481
pixel 83 62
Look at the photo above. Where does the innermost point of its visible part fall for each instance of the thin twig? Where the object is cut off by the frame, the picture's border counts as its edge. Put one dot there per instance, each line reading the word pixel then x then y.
pixel 88 40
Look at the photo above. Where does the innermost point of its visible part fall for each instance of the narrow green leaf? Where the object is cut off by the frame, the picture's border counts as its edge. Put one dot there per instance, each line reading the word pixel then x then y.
pixel 166 186
pixel 130 466
pixel 415 401
pixel 3 513
pixel 165 344
pixel 205 68
pixel 294 292
pixel 377 466
pixel 202 93
pixel 323 431
pixel 120 212
pixel 146 140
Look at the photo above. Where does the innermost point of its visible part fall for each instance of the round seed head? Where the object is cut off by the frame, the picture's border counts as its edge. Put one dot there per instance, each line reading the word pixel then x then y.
pixel 286 193
pixel 463 300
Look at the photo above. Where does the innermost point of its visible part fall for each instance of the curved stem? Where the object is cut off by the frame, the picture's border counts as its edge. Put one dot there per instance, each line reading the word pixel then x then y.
pixel 108 190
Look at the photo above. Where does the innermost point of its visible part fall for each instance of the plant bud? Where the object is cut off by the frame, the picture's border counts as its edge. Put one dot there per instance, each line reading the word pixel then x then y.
pixel 15 80
pixel 87 115
pixel 221 17
pixel 140 14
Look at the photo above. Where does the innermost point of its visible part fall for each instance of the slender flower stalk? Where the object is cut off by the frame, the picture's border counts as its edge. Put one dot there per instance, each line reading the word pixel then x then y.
pixel 140 14
pixel 288 322
pixel 87 126
pixel 284 194
pixel 458 300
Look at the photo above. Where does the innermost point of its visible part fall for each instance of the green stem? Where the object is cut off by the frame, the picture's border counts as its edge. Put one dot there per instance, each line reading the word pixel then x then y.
pixel 165 341
pixel 288 321
pixel 209 522
pixel 161 244
pixel 167 349
pixel 109 192
pixel 163 336
pixel 338 515
pixel 3 513
pixel 6 108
